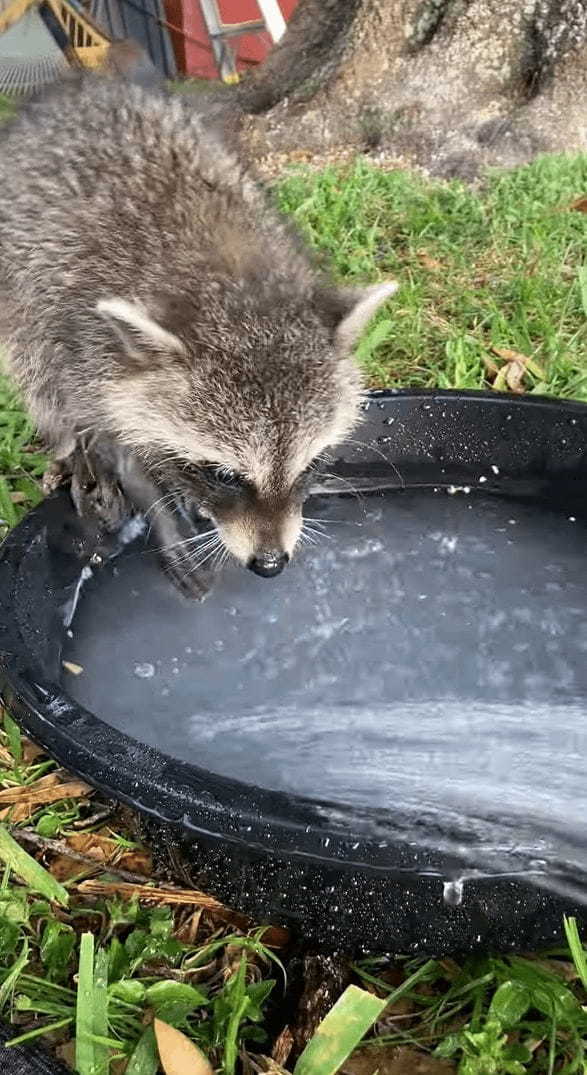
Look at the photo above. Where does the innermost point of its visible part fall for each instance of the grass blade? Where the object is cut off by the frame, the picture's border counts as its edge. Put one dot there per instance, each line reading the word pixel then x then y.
pixel 583 287
pixel 84 1016
pixel 38 1031
pixel 100 1009
pixel 29 870
pixel 340 1032
pixel 239 1004
pixel 144 1058
pixel 8 513
pixel 13 974
pixel 577 951
pixel 14 738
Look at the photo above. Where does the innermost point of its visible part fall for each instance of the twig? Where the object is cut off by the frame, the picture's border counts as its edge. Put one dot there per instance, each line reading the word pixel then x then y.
pixel 275 935
pixel 59 847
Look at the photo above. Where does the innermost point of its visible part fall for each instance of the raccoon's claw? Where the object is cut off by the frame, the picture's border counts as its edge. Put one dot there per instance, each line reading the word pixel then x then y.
pixel 55 475
pixel 96 493
pixel 193 584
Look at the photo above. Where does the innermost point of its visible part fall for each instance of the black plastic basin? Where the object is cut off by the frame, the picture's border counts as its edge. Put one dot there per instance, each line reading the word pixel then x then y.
pixel 382 747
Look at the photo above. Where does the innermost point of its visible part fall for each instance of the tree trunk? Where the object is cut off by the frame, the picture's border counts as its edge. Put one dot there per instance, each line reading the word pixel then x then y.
pixel 452 85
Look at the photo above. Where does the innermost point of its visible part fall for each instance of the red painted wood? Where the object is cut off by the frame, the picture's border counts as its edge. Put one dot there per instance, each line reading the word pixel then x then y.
pixel 192 46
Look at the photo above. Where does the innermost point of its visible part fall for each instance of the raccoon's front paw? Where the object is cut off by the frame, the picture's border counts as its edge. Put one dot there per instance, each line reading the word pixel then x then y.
pixel 55 475
pixel 96 493
pixel 195 584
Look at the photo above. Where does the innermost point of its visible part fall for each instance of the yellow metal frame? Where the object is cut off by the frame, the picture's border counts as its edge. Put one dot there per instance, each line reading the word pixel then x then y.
pixel 88 44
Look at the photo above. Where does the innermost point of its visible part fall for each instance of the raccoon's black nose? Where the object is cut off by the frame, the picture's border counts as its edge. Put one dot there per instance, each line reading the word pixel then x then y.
pixel 269 564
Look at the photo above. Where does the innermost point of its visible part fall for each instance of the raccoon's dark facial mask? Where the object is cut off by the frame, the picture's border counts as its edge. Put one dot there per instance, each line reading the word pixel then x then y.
pixel 251 479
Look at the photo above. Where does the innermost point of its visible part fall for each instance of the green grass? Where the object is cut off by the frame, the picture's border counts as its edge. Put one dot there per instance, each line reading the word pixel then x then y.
pixel 499 267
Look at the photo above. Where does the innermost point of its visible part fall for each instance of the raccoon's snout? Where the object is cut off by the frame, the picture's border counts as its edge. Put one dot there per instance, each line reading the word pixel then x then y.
pixel 268 564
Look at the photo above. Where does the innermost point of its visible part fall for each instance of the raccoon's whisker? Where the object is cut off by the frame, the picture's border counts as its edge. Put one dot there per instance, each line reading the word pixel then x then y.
pixel 160 503
pixel 199 563
pixel 351 489
pixel 317 533
pixel 193 544
pixel 386 459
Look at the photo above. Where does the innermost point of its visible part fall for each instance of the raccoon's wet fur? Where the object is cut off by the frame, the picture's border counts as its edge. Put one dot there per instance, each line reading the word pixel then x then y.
pixel 171 337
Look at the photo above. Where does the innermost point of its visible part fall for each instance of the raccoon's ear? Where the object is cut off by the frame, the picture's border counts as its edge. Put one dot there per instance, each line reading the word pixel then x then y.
pixel 348 310
pixel 140 335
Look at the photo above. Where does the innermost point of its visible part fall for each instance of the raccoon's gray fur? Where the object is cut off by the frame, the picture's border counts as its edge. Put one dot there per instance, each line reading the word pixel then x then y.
pixel 169 334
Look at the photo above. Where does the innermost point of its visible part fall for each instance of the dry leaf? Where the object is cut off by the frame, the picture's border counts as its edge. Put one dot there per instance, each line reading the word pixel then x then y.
pixel 30 751
pixel 105 849
pixel 6 757
pixel 17 813
pixel 511 356
pixel 282 1047
pixel 188 931
pixel 393 1060
pixel 514 376
pixel 580 205
pixel 35 795
pixel 428 262
pixel 179 1055
pixel 491 366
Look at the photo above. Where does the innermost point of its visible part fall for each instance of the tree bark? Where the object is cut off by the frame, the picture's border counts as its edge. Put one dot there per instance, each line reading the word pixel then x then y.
pixel 452 85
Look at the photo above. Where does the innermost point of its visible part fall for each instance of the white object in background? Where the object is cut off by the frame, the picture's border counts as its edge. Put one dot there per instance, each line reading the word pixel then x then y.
pixel 274 20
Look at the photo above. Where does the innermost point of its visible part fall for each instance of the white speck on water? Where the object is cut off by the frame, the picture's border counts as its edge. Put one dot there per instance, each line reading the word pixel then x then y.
pixel 572 519
pixel 144 671
pixel 389 421
pixel 359 551
pixel 452 892
pixel 422 596
pixel 512 522
pixel 219 645
pixel 175 659
pixel 482 479
pixel 69 633
pixel 494 468
pixel 175 671
pixel 232 610
pixel 188 649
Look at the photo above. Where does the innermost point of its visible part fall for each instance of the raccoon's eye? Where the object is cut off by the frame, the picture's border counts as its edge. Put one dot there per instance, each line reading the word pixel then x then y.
pixel 223 476
pixel 229 478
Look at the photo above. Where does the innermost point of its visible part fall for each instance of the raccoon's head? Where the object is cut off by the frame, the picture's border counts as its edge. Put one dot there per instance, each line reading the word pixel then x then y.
pixel 233 423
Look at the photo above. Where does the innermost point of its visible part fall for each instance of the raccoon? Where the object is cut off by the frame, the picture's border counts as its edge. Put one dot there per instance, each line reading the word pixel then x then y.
pixel 172 337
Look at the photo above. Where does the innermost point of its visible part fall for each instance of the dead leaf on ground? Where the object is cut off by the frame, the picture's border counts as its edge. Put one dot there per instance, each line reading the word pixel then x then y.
pixel 393 1060
pixel 6 757
pixel 429 262
pixel 188 931
pixel 17 813
pixel 31 751
pixel 510 376
pixel 179 1055
pixel 104 849
pixel 579 205
pixel 36 795
pixel 282 1047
